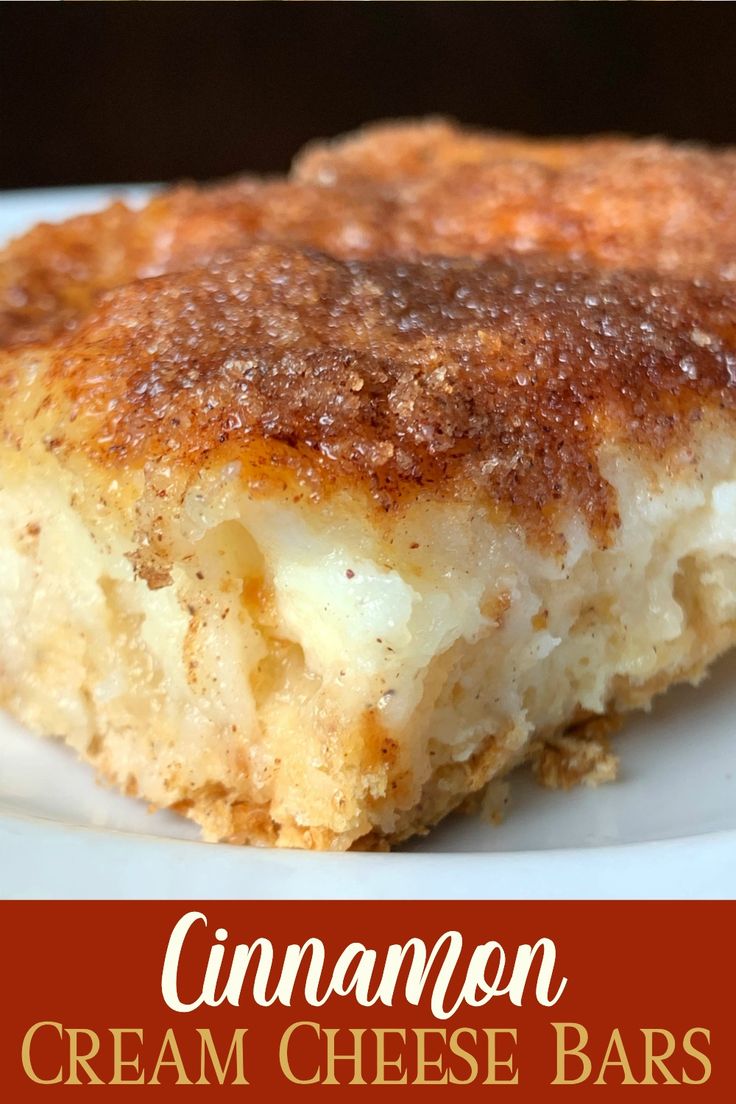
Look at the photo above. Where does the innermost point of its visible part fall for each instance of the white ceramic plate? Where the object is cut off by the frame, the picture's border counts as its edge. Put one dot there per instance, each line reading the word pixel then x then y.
pixel 667 828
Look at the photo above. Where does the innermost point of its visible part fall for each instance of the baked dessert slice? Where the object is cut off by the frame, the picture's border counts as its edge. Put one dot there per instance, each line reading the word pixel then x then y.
pixel 311 550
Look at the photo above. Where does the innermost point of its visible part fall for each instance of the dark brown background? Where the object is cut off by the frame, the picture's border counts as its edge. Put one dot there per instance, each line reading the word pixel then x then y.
pixel 110 92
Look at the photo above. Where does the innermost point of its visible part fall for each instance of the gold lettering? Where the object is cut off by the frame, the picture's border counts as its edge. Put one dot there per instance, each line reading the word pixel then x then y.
pixel 423 1062
pixel 169 1043
pixel 355 1056
pixel 652 1060
pixel 467 1056
pixel 383 1063
pixel 119 1063
pixel 699 1055
pixel 616 1043
pixel 208 1048
pixel 76 1059
pixel 284 1054
pixel 577 1051
pixel 504 1063
pixel 26 1053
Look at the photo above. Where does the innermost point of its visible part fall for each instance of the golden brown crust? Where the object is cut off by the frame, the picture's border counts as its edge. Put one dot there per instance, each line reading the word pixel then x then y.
pixel 51 276
pixel 496 381
pixel 611 201
pixel 399 190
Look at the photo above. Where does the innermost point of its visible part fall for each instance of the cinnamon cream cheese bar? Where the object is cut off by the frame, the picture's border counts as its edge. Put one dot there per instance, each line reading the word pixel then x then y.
pixel 323 503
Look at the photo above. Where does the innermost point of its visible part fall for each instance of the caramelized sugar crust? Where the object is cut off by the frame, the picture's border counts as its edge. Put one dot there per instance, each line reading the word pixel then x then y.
pixel 498 380
pixel 50 277
pixel 400 190
pixel 611 201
